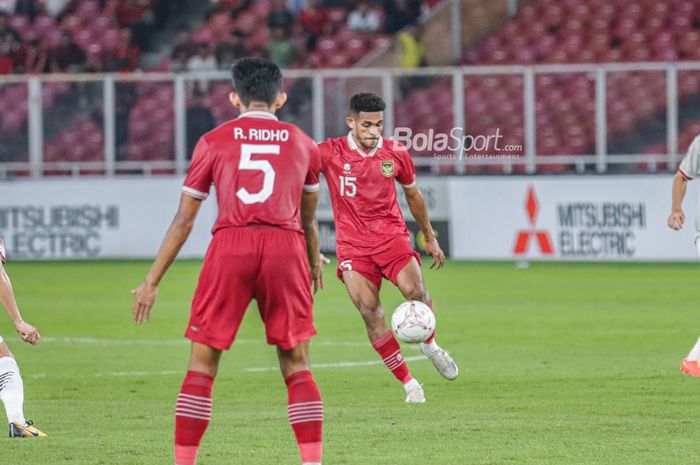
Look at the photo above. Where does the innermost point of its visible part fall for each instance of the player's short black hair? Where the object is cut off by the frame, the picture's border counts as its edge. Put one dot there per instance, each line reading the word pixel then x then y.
pixel 366 101
pixel 256 80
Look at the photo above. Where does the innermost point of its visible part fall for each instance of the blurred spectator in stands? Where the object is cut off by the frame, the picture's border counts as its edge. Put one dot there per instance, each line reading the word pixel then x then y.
pixel 179 61
pixel 6 29
pixel 28 8
pixel 229 50
pixel 203 61
pixel 199 121
pixel 184 42
pixel 412 53
pixel 8 6
pixel 363 19
pixel 93 64
pixel 54 7
pixel 400 13
pixel 126 56
pixel 67 56
pixel 36 59
pixel 297 6
pixel 233 7
pixel 312 20
pixel 7 62
pixel 280 17
pixel 137 15
pixel 281 48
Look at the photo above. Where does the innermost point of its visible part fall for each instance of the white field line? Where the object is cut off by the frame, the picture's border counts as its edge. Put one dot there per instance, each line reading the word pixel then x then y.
pixel 338 365
pixel 119 374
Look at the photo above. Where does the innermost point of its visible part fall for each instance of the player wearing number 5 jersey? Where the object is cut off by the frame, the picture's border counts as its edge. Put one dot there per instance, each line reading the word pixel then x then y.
pixel 266 177
pixel 361 170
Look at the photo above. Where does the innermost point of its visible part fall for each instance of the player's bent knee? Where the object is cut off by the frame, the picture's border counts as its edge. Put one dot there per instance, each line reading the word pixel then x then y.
pixel 417 292
pixel 371 312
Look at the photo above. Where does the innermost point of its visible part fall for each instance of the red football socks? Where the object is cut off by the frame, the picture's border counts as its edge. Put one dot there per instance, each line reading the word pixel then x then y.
pixel 192 415
pixel 389 350
pixel 306 415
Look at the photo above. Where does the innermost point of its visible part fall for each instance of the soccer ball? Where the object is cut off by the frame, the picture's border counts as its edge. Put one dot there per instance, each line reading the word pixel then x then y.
pixel 413 322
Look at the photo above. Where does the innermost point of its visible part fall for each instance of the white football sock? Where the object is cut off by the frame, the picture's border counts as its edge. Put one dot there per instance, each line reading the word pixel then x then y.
pixel 695 352
pixel 428 349
pixel 11 390
pixel 411 384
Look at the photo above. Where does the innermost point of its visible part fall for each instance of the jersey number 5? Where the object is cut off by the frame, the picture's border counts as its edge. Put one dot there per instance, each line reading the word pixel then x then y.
pixel 348 188
pixel 257 165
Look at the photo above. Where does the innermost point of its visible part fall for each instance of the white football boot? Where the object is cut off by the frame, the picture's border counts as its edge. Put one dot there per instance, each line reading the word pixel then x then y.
pixel 444 363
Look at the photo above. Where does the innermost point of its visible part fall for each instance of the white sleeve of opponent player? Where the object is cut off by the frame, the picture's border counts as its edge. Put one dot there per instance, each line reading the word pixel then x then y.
pixel 690 166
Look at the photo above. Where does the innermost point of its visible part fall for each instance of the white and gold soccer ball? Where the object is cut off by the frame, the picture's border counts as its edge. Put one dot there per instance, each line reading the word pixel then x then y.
pixel 413 322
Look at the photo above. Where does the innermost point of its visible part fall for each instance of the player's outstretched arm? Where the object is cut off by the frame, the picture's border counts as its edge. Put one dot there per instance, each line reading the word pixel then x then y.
pixel 27 332
pixel 178 232
pixel 419 210
pixel 309 201
pixel 677 217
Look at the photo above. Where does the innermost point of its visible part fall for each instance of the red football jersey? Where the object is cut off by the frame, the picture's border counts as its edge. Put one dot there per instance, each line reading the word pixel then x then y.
pixel 363 191
pixel 259 166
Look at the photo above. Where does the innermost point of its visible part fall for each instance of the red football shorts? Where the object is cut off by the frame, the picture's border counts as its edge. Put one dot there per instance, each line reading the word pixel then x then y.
pixel 385 261
pixel 263 263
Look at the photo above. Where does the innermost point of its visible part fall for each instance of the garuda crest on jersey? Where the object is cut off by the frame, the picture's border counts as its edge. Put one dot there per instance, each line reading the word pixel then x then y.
pixel 388 168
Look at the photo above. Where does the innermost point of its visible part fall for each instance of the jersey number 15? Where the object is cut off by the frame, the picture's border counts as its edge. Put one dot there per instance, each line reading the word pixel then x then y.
pixel 348 188
pixel 257 165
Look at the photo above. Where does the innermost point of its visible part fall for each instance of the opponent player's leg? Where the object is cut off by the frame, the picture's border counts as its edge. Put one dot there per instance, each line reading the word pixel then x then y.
pixel 193 410
pixel 365 295
pixel 12 396
pixel 410 283
pixel 305 407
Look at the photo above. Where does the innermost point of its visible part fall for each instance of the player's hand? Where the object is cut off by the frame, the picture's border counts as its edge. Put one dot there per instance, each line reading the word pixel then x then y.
pixel 433 249
pixel 317 277
pixel 676 219
pixel 144 298
pixel 28 333
pixel 324 260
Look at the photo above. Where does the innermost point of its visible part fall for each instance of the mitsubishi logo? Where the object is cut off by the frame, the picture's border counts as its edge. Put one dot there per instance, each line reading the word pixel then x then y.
pixel 522 241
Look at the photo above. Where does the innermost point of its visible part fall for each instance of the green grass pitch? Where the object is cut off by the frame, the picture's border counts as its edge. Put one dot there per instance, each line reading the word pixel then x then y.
pixel 560 364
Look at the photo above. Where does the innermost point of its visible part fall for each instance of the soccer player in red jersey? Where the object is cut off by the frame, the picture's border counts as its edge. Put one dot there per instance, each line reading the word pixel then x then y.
pixel 11 385
pixel 266 175
pixel 372 240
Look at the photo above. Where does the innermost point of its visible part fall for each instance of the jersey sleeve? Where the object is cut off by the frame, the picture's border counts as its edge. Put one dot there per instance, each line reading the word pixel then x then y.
pixel 324 149
pixel 407 170
pixel 312 183
pixel 690 166
pixel 200 175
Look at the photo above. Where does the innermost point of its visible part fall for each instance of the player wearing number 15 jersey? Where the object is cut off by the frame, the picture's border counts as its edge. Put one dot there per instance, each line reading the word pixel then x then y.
pixel 361 170
pixel 266 177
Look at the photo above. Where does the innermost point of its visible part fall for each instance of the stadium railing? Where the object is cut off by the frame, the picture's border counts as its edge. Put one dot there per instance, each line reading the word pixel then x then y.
pixel 320 109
